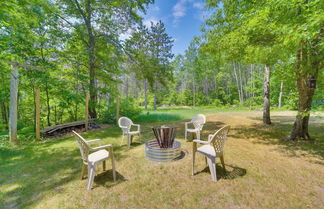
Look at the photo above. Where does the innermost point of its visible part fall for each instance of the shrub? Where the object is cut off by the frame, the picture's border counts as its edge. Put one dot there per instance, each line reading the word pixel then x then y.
pixel 217 103
pixel 128 108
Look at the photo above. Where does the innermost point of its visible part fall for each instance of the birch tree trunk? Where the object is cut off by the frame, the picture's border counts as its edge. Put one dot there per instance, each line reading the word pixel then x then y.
pixel 280 94
pixel 241 85
pixel 237 84
pixel 266 96
pixel 13 104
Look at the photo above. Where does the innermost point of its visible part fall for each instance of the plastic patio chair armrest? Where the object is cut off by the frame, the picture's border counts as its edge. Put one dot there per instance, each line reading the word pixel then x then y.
pixel 200 141
pixel 186 124
pixel 107 146
pixel 138 126
pixel 94 140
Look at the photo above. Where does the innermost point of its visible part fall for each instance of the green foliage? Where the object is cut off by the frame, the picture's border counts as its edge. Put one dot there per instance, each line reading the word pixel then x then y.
pixel 128 108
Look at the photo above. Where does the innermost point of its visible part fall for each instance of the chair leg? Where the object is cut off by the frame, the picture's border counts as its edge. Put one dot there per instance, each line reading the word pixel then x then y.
pixel 186 134
pixel 129 140
pixel 91 175
pixel 104 165
pixel 222 161
pixel 194 149
pixel 83 170
pixel 193 162
pixel 212 167
pixel 113 166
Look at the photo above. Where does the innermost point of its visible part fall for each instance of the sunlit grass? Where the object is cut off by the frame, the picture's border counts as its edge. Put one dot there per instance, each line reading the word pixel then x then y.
pixel 262 170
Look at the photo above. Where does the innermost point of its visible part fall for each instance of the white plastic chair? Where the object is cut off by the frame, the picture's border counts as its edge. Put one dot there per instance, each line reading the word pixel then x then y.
pixel 198 122
pixel 100 154
pixel 125 124
pixel 211 149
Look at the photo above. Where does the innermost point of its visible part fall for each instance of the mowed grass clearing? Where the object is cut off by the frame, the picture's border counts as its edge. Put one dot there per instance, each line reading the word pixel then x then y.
pixel 262 170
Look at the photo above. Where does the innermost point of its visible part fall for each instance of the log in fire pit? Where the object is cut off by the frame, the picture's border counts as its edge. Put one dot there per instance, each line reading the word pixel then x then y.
pixel 163 148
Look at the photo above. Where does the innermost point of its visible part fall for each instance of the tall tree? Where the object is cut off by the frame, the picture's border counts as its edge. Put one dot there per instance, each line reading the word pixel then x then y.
pixel 98 24
pixel 151 55
pixel 160 48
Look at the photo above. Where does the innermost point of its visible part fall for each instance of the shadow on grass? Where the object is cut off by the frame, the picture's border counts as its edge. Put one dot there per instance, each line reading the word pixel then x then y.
pixel 106 179
pixel 35 172
pixel 28 173
pixel 183 154
pixel 233 173
pixel 277 133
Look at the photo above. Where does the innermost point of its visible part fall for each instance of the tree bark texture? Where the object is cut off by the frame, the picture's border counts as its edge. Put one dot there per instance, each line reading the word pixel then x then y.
pixel 48 106
pixel 305 94
pixel 37 113
pixel 266 96
pixel 13 104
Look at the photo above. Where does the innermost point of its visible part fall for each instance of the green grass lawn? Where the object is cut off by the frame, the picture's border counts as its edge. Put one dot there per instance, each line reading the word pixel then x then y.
pixel 262 170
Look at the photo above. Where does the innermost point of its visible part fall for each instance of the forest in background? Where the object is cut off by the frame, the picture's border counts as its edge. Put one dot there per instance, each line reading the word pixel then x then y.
pixel 251 54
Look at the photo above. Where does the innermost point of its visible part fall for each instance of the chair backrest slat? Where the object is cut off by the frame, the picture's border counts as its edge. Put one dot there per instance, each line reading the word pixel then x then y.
pixel 199 121
pixel 218 139
pixel 83 145
pixel 125 122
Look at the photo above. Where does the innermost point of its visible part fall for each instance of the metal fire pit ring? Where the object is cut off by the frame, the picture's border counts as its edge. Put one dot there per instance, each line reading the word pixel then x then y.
pixel 153 151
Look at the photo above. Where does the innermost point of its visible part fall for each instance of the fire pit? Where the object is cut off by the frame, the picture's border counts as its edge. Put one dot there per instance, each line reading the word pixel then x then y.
pixel 163 148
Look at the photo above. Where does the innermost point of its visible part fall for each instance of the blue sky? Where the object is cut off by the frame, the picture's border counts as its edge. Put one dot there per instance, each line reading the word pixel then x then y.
pixel 182 19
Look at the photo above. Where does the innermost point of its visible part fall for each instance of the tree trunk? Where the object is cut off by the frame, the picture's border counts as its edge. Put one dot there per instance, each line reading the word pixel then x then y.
pixel 266 96
pixel 126 86
pixel 92 62
pixel 117 108
pixel 55 115
pixel 37 112
pixel 280 94
pixel 13 104
pixel 155 89
pixel 238 86
pixel 145 94
pixel 48 106
pixel 86 112
pixel 4 113
pixel 300 128
pixel 194 92
pixel 241 85
pixel 252 87
pixel 108 99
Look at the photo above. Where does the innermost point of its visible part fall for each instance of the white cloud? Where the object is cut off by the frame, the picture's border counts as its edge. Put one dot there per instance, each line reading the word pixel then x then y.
pixel 156 9
pixel 179 10
pixel 198 5
pixel 125 35
pixel 148 21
